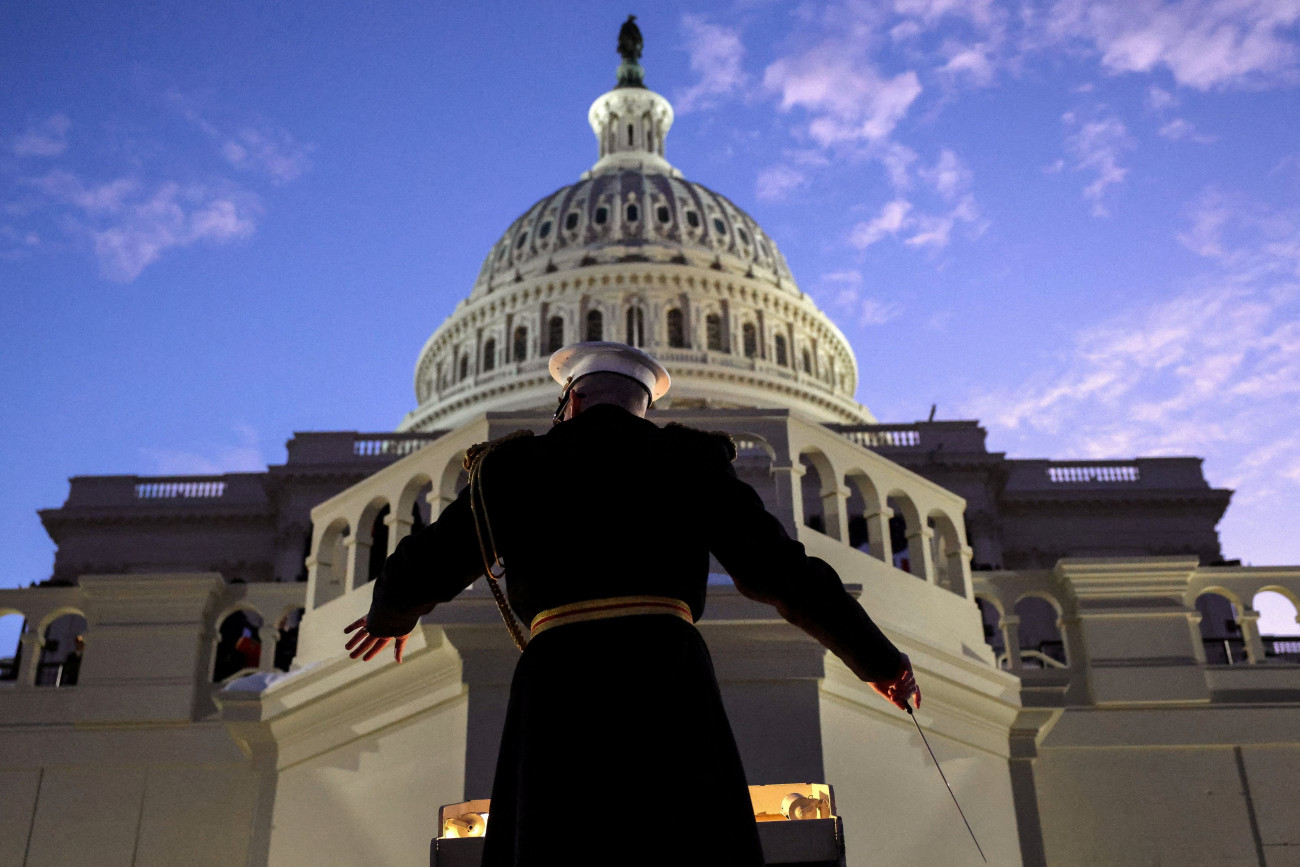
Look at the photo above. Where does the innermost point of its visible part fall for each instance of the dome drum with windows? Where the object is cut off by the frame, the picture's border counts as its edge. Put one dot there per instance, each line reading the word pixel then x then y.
pixel 634 252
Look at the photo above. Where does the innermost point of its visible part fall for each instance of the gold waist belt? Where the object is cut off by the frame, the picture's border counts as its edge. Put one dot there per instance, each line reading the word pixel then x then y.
pixel 603 609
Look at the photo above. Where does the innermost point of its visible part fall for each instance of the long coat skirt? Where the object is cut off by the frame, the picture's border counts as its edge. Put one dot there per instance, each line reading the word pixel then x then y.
pixel 617 733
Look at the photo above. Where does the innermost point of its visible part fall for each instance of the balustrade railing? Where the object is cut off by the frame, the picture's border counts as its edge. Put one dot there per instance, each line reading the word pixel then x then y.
pixel 1067 473
pixel 873 437
pixel 188 489
pixel 392 446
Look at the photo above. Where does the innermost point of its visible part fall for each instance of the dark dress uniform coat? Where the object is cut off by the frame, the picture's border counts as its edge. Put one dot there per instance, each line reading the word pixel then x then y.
pixel 622 716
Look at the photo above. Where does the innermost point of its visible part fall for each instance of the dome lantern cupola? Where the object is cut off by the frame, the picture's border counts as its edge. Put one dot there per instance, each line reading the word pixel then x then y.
pixel 634 252
pixel 631 121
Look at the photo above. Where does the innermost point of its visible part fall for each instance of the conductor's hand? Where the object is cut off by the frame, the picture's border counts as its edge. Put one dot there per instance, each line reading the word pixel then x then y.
pixel 366 646
pixel 900 687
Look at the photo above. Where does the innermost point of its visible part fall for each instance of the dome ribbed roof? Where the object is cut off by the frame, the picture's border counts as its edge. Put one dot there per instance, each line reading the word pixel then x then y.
pixel 632 215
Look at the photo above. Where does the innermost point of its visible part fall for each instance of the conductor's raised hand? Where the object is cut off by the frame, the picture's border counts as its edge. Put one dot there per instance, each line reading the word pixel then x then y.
pixel 900 687
pixel 365 646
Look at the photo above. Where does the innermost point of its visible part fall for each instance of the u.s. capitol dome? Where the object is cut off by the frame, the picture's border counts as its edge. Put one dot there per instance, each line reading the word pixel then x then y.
pixel 635 252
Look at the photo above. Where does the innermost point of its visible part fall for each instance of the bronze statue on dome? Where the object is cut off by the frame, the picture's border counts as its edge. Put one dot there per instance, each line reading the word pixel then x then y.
pixel 630 42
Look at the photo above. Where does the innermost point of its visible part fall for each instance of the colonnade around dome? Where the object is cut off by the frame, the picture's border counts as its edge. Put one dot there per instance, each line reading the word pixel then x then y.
pixel 729 340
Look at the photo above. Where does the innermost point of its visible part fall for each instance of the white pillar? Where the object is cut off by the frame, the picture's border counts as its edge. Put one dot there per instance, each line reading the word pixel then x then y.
pixel 1248 619
pixel 918 552
pixel 268 637
pixel 1009 625
pixel 31 644
pixel 399 527
pixel 835 513
pixel 880 544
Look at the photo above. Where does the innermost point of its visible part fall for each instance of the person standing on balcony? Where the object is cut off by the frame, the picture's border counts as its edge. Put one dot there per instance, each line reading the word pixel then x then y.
pixel 606 524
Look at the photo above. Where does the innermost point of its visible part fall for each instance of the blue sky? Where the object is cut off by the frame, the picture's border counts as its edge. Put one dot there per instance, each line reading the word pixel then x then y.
pixel 1077 222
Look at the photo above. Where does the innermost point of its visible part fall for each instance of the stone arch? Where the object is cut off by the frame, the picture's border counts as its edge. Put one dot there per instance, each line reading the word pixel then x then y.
pixel 451 480
pixel 951 568
pixel 1039 620
pixel 1220 609
pixel 1287 595
pixel 905 525
pixel 868 523
pixel 60 651
pixel 237 642
pixel 821 493
pixel 371 541
pixel 408 501
pixel 330 562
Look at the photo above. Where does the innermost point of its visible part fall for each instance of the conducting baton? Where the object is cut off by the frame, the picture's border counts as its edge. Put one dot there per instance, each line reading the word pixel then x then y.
pixel 908 705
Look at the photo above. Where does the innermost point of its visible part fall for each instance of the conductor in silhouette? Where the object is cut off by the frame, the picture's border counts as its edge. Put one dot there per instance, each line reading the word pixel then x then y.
pixel 605 526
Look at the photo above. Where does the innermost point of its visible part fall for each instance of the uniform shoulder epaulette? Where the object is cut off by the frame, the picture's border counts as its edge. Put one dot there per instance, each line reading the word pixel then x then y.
pixel 718 438
pixel 476 452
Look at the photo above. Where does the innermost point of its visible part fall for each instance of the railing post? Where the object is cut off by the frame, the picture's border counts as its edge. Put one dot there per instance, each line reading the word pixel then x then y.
pixel 32 645
pixel 878 541
pixel 1248 619
pixel 1009 626
pixel 918 552
pixel 268 637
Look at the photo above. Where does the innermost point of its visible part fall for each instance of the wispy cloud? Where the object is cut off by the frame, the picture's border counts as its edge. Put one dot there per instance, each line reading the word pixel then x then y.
pixel 243 456
pixel 951 180
pixel 262 149
pixel 892 219
pixel 716 54
pixel 275 153
pixel 842 291
pixel 1204 44
pixel 129 225
pixel 845 98
pixel 49 138
pixel 1096 145
pixel 776 182
pixel 1213 371
pixel 1180 129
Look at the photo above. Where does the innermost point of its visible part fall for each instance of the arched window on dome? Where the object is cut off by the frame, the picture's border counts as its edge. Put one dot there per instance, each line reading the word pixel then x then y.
pixel 750 340
pixel 781 357
pixel 464 366
pixel 635 327
pixel 713 331
pixel 676 329
pixel 555 334
pixel 520 349
pixel 489 354
pixel 595 325
pixel 807 361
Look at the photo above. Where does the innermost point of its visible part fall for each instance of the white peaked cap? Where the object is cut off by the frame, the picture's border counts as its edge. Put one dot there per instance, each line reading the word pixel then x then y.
pixel 603 356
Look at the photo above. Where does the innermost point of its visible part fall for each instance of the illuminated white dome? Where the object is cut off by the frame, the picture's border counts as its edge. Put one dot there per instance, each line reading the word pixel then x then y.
pixel 637 253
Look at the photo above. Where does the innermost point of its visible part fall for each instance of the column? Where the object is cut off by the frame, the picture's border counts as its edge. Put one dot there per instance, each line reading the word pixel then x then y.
pixel 918 552
pixel 878 534
pixel 959 571
pixel 1009 626
pixel 789 496
pixel 1248 620
pixel 836 513
pixel 358 560
pixel 31 644
pixel 399 527
pixel 268 637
